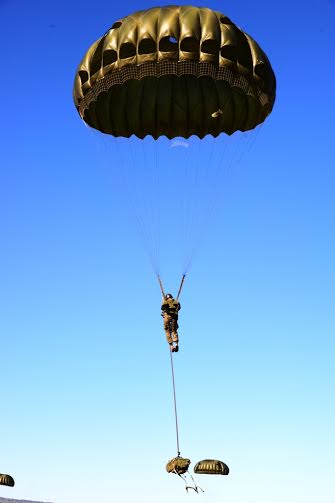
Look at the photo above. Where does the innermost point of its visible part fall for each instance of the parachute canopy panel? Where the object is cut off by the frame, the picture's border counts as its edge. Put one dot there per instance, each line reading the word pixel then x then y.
pixel 178 465
pixel 6 480
pixel 166 71
pixel 211 467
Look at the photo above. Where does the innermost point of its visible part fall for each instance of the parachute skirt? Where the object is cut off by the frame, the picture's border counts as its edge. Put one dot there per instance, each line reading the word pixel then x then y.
pixel 179 102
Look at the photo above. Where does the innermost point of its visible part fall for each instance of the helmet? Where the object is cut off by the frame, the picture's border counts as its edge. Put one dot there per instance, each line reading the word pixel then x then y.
pixel 169 296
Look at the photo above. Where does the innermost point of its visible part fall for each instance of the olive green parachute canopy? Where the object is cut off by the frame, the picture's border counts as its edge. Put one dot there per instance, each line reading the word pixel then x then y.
pixel 6 480
pixel 178 465
pixel 174 71
pixel 211 467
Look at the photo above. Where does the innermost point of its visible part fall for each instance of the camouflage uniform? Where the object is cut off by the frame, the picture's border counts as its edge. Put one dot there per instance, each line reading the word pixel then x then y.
pixel 170 308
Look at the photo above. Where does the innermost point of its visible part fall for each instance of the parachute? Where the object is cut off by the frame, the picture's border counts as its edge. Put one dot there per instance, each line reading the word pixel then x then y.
pixel 6 480
pixel 165 71
pixel 211 467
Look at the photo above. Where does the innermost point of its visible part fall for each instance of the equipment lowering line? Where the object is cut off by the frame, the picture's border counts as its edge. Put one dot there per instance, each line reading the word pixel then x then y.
pixel 175 404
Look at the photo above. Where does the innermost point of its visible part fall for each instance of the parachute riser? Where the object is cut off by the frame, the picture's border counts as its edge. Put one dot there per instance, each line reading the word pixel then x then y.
pixel 181 286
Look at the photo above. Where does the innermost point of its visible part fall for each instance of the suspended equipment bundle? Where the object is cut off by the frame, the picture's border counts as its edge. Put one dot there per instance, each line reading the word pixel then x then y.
pixel 178 465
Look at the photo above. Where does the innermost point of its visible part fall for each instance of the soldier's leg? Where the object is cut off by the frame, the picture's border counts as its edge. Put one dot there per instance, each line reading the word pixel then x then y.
pixel 167 328
pixel 174 330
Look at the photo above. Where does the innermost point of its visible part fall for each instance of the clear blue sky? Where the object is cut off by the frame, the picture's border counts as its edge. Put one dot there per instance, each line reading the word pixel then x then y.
pixel 86 404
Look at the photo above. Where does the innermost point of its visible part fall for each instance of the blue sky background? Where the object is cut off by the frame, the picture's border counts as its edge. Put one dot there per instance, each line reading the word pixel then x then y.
pixel 86 401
